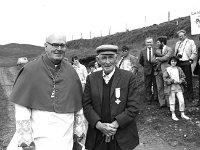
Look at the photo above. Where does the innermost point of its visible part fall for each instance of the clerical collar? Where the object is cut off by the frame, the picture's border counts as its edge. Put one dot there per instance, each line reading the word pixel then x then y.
pixel 50 63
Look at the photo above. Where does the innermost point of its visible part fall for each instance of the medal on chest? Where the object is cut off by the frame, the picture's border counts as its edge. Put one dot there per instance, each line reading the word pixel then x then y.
pixel 117 95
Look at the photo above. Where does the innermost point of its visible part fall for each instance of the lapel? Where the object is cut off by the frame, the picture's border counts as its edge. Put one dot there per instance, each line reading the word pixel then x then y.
pixel 145 53
pixel 100 83
pixel 154 51
pixel 116 79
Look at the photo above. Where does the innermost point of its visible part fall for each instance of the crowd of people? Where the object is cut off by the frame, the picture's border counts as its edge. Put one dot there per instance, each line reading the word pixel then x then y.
pixel 169 71
pixel 55 99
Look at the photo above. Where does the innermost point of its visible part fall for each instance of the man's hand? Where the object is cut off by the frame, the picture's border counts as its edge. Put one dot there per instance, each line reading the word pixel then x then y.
pixel 106 128
pixel 114 124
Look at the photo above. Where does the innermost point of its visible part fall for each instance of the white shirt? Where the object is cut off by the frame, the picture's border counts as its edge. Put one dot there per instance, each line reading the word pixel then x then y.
pixel 82 72
pixel 108 77
pixel 174 74
pixel 187 49
pixel 164 48
pixel 149 49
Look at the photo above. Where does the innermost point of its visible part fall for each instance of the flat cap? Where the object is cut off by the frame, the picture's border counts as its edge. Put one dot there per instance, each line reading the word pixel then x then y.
pixel 107 49
pixel 183 31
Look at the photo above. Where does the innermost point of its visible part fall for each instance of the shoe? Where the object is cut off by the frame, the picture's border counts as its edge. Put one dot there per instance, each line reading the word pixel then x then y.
pixel 185 117
pixel 175 118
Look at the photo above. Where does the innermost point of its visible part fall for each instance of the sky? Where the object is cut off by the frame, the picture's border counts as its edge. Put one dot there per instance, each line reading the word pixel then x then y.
pixel 30 21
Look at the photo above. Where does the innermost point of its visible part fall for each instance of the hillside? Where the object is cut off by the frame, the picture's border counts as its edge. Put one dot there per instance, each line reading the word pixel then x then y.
pixel 10 52
pixel 84 48
pixel 135 38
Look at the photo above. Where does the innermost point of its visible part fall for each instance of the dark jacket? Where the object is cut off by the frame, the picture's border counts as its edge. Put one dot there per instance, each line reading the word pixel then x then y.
pixel 149 67
pixel 124 112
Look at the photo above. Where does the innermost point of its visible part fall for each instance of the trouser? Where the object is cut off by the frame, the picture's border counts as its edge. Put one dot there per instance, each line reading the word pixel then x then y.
pixel 149 81
pixel 160 88
pixel 186 67
pixel 180 100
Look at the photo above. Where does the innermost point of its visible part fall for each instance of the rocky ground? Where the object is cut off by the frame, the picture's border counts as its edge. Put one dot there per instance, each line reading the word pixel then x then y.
pixel 157 130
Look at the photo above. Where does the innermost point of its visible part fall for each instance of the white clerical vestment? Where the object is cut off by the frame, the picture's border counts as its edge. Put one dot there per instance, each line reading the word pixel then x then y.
pixel 50 130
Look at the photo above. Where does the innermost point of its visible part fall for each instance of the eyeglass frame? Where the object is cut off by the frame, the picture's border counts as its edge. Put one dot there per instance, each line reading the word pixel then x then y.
pixel 57 45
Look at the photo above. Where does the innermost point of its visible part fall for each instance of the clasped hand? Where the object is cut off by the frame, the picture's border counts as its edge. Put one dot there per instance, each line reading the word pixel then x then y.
pixel 108 129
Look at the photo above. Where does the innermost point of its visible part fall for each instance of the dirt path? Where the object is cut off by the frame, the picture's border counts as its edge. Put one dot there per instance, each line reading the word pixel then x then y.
pixel 7 120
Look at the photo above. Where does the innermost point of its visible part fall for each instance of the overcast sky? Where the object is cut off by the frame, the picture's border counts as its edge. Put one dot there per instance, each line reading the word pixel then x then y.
pixel 29 21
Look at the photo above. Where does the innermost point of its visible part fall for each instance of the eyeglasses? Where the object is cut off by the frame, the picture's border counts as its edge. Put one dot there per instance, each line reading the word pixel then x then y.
pixel 57 45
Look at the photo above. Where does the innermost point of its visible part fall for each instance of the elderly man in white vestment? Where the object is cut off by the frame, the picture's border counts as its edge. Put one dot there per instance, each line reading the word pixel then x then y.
pixel 47 93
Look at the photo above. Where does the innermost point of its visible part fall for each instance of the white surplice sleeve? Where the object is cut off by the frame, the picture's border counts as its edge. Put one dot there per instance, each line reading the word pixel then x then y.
pixel 23 125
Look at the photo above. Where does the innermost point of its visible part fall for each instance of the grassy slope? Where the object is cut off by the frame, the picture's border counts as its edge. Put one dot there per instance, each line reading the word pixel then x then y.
pixel 134 39
pixel 84 48
pixel 10 52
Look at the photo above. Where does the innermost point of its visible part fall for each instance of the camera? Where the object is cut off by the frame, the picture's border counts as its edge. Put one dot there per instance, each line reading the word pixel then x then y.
pixel 179 56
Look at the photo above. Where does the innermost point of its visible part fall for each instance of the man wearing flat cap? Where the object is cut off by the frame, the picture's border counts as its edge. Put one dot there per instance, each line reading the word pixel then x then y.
pixel 111 104
pixel 47 93
pixel 185 50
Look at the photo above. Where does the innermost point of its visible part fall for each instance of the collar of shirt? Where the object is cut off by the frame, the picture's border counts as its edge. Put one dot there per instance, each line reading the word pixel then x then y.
pixel 149 48
pixel 164 47
pixel 108 77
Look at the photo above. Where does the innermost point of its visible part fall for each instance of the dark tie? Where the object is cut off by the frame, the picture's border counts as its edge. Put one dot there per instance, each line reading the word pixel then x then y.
pixel 149 54
pixel 121 61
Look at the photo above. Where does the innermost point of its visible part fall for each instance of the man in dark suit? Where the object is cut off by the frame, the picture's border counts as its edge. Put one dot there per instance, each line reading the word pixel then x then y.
pixel 111 104
pixel 152 73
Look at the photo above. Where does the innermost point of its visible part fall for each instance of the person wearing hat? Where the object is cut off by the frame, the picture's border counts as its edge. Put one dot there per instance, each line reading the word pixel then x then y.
pixel 110 104
pixel 163 54
pixel 185 50
pixel 47 93
pixel 127 61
